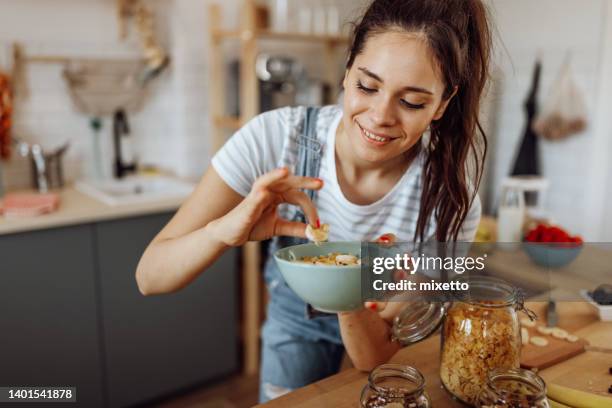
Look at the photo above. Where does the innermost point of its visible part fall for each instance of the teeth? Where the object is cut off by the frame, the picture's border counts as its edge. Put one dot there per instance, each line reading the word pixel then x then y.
pixel 373 137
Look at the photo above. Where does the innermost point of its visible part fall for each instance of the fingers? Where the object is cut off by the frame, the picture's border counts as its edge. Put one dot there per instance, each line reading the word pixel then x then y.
pixel 290 228
pixel 298 182
pixel 386 239
pixel 376 306
pixel 270 178
pixel 300 198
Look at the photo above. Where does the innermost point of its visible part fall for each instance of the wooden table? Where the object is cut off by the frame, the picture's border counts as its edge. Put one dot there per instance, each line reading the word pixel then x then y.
pixel 587 372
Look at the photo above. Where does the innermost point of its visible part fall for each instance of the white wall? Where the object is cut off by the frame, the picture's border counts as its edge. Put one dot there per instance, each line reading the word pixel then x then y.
pixel 172 131
pixel 78 29
pixel 553 28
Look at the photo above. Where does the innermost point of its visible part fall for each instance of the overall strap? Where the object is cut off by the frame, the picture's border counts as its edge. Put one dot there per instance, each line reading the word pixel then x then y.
pixel 309 153
pixel 309 148
pixel 308 164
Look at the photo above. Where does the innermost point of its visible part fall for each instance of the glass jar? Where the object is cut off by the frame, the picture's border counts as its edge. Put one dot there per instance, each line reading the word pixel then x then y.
pixel 480 333
pixel 511 212
pixel 395 385
pixel 514 388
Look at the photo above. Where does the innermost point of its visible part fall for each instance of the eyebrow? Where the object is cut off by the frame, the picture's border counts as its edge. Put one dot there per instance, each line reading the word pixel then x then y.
pixel 406 88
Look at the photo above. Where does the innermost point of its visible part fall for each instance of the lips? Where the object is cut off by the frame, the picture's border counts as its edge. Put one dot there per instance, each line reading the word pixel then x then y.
pixel 374 138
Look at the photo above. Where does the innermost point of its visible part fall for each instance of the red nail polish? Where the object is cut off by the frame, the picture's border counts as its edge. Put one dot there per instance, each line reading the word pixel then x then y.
pixel 318 224
pixel 373 306
pixel 384 239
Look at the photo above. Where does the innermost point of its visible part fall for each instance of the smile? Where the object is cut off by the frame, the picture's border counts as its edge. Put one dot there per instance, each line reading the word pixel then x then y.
pixel 375 139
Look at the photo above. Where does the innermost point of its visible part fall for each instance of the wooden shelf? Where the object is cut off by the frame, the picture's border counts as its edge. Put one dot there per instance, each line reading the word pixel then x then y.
pixel 250 39
pixel 227 122
pixel 279 36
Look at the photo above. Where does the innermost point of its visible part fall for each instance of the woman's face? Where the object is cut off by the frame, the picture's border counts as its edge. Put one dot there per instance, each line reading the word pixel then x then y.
pixel 392 93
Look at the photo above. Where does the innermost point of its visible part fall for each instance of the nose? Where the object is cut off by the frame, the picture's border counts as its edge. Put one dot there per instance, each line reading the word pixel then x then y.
pixel 383 112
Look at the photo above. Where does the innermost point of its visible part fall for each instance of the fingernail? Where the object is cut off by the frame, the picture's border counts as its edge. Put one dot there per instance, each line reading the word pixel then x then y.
pixel 373 306
pixel 384 239
pixel 318 224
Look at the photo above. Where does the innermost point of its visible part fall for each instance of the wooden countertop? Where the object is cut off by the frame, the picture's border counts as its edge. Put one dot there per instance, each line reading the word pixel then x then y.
pixel 587 371
pixel 78 208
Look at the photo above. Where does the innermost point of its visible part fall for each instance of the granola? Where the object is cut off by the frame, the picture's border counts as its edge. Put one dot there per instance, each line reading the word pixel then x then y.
pixel 477 339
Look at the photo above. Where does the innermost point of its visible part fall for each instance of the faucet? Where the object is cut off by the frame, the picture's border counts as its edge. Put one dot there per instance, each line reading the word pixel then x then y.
pixel 121 130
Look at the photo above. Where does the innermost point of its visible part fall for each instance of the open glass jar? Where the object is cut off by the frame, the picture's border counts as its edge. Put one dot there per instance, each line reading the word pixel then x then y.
pixel 514 388
pixel 481 333
pixel 395 385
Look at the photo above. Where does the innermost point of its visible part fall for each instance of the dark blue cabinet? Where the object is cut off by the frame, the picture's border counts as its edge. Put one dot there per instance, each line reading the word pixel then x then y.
pixel 158 344
pixel 49 333
pixel 71 314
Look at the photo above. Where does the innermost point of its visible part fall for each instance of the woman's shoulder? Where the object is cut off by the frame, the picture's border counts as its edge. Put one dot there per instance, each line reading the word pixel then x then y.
pixel 293 116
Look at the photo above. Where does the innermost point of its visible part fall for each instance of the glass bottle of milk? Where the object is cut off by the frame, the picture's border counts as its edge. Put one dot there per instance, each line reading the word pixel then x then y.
pixel 511 214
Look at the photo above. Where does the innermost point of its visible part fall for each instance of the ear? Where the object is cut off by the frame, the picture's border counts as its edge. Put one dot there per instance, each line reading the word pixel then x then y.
pixel 345 79
pixel 444 104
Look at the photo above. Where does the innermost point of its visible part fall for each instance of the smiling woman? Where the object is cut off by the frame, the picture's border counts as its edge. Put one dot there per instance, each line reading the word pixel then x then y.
pixel 415 68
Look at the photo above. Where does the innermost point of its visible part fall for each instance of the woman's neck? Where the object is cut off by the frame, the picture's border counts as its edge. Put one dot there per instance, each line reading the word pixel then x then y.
pixel 364 182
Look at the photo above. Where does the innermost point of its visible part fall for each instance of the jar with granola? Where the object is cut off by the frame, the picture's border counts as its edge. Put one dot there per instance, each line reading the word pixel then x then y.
pixel 514 388
pixel 480 333
pixel 395 386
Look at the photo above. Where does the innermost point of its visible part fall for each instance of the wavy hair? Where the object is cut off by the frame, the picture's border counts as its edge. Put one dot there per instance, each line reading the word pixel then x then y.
pixel 459 36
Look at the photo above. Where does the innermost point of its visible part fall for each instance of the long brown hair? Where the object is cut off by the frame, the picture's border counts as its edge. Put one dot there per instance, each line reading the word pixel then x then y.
pixel 458 33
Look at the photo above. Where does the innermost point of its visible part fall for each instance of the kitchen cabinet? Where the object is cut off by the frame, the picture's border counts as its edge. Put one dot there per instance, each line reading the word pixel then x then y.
pixel 49 334
pixel 158 344
pixel 71 314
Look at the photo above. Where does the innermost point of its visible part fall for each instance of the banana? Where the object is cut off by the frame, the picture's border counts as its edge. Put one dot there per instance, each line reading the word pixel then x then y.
pixel 577 399
pixel 555 404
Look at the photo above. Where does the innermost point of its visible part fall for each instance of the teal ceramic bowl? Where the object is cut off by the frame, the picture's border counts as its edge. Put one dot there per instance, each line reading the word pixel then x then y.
pixel 552 255
pixel 327 288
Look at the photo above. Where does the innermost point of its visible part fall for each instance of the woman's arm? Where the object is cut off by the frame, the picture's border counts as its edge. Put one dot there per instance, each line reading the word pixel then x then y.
pixel 367 338
pixel 184 247
pixel 214 218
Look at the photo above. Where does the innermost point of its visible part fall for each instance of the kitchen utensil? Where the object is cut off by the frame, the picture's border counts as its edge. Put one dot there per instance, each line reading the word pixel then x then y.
pixel 99 87
pixel 327 288
pixel 95 170
pixel 47 168
pixel 556 351
pixel 551 314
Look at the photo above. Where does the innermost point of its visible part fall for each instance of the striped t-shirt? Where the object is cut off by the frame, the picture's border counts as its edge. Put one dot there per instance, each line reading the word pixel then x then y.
pixel 269 141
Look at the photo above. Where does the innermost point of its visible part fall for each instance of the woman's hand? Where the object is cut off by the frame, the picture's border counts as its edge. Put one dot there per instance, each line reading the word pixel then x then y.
pixel 256 217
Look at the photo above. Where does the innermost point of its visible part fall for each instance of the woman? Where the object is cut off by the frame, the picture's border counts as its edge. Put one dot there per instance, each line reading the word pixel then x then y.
pixel 415 67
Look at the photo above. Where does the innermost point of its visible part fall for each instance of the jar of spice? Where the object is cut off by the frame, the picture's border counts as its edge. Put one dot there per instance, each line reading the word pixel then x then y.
pixel 395 386
pixel 514 388
pixel 481 333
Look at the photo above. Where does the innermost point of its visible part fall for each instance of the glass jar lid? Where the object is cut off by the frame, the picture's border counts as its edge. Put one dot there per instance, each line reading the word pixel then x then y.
pixel 421 318
pixel 417 321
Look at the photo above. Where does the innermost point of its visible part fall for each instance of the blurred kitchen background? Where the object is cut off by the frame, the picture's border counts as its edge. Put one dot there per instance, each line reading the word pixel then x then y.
pixel 149 89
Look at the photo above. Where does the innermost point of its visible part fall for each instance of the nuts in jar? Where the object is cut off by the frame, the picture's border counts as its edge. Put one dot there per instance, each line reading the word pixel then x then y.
pixel 395 386
pixel 514 388
pixel 481 333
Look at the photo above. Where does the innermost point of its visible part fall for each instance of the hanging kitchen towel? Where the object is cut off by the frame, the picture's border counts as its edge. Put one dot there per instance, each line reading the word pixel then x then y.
pixel 564 111
pixel 527 161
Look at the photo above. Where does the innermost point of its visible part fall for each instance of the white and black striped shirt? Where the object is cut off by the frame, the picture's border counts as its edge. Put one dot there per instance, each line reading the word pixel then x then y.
pixel 269 141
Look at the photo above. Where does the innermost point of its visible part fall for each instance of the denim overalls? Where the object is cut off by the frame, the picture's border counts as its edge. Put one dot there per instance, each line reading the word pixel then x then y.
pixel 297 347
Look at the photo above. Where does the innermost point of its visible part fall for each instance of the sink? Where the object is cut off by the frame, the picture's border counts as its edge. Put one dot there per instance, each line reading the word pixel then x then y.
pixel 135 189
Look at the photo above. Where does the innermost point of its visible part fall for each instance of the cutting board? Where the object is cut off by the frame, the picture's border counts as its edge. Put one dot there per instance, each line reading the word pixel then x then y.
pixel 556 351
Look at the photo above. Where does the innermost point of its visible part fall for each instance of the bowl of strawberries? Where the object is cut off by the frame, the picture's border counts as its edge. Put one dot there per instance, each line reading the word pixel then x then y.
pixel 551 246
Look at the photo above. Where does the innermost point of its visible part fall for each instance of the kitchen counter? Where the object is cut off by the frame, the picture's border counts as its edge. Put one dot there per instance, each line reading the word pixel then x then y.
pixel 587 371
pixel 78 208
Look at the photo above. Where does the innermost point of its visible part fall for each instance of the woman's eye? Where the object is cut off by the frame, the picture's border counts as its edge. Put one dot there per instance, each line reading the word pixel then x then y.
pixel 411 105
pixel 365 89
